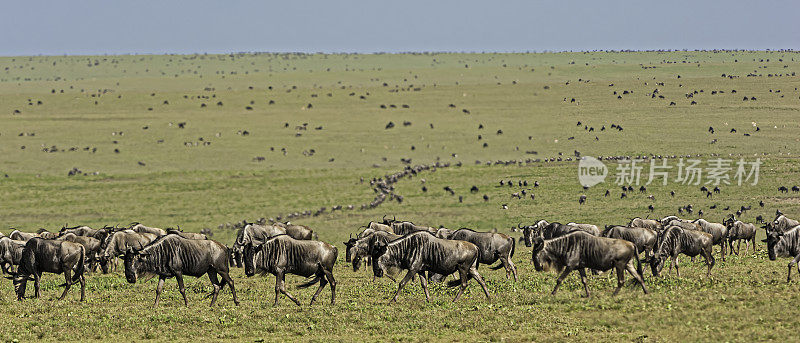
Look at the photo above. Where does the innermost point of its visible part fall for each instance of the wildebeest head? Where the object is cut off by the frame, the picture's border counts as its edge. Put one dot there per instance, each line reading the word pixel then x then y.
pixel 541 260
pixel 657 263
pixel 773 237
pixel 379 259
pixel 133 260
pixel 527 234
pixel 389 222
pixel 248 258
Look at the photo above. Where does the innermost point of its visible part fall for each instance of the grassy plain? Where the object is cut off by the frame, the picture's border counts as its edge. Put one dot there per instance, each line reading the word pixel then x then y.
pixel 182 180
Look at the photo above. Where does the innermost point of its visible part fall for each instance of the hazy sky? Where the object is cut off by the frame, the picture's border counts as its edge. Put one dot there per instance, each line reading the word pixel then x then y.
pixel 31 27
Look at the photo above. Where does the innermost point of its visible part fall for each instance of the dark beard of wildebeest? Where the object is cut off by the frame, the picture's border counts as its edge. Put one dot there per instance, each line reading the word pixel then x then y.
pixel 644 239
pixel 491 247
pixel 784 244
pixel 257 234
pixel 422 252
pixel 283 254
pixel 118 243
pixel 674 241
pixel 90 244
pixel 718 232
pixel 175 256
pixel 50 256
pixel 739 231
pixel 580 250
pixel 10 254
pixel 362 246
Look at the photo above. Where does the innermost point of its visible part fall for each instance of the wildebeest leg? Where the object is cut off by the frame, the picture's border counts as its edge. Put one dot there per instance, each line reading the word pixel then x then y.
pixel 423 281
pixel 181 287
pixel 464 275
pixel 280 286
pixel 582 271
pixel 212 275
pixel 620 280
pixel 403 283
pixel 227 278
pixel 68 283
pixel 675 263
pixel 479 278
pixel 322 282
pixel 83 288
pixel 36 278
pixel 560 279
pixel 159 288
pixel 639 278
pixel 510 267
pixel 709 261
pixel 332 281
pixel 793 262
pixel 722 248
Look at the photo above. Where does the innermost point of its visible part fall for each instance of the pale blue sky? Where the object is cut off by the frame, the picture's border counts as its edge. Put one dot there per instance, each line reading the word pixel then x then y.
pixel 32 27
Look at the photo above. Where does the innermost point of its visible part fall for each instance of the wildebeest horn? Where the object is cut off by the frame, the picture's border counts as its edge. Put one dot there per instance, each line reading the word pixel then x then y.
pixel 384 218
pixel 394 219
pixel 519 226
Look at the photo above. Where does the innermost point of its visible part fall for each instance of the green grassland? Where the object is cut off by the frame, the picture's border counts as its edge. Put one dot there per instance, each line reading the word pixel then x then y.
pixel 86 101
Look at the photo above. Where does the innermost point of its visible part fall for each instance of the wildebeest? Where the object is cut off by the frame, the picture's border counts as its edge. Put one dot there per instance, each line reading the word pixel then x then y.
pixel 781 223
pixel 422 251
pixel 50 256
pixel 139 228
pixel 589 228
pixel 491 247
pixel 674 241
pixel 22 236
pixel 643 238
pixel 718 231
pixel 43 233
pixel 546 231
pixel 119 242
pixel 784 244
pixel 297 231
pixel 361 246
pixel 187 235
pixel 91 246
pixel 10 253
pixel 529 231
pixel 580 250
pixel 283 254
pixel 739 231
pixel 175 256
pixel 405 227
pixel 651 224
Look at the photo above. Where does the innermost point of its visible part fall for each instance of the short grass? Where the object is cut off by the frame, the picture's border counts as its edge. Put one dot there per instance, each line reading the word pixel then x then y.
pixel 184 181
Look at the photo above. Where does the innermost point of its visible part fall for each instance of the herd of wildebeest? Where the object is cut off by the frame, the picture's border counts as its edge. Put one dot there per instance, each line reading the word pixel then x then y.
pixel 388 246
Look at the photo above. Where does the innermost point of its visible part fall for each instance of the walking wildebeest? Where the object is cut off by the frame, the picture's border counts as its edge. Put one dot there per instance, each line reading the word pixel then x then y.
pixel 51 256
pixel 491 247
pixel 529 231
pixel 187 235
pixel 361 246
pixel 43 233
pixel 91 246
pixel 784 244
pixel 10 253
pixel 283 254
pixel 739 231
pixel 546 231
pixel 674 241
pixel 580 250
pixel 422 251
pixel 175 256
pixel 589 228
pixel 139 228
pixel 718 231
pixel 643 238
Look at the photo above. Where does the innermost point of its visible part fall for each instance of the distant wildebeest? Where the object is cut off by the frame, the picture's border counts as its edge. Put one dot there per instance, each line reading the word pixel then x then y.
pixel 739 231
pixel 491 247
pixel 580 250
pixel 674 241
pixel 10 253
pixel 784 244
pixel 22 236
pixel 175 256
pixel 651 224
pixel 118 243
pixel 283 254
pixel 422 252
pixel 718 231
pixel 644 239
pixel 50 256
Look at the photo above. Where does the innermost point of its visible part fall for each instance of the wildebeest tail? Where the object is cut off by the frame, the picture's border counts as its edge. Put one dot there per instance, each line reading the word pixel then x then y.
pixel 638 262
pixel 81 267
pixel 513 247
